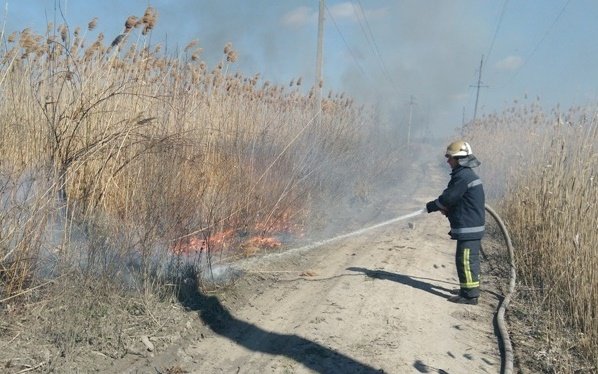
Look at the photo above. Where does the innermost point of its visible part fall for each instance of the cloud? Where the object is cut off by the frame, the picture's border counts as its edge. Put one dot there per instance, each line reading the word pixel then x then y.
pixel 509 63
pixel 303 15
pixel 298 17
pixel 355 13
pixel 463 96
pixel 343 11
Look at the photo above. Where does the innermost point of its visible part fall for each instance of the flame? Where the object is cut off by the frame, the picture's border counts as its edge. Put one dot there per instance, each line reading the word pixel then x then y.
pixel 258 243
pixel 235 240
pixel 194 244
pixel 266 243
pixel 225 240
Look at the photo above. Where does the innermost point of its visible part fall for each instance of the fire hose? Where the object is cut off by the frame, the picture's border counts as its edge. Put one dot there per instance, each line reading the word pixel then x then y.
pixel 507 367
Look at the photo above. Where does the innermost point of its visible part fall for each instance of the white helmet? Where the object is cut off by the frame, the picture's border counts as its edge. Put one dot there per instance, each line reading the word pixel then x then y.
pixel 458 148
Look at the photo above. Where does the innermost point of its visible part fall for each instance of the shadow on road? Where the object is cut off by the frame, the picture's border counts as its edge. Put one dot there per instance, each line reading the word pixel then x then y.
pixel 404 279
pixel 310 354
pixel 421 367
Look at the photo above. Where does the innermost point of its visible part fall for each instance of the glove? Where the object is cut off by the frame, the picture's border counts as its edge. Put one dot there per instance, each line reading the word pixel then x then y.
pixel 431 207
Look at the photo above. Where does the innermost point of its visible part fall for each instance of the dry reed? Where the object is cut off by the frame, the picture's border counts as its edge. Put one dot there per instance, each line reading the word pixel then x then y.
pixel 145 148
pixel 541 168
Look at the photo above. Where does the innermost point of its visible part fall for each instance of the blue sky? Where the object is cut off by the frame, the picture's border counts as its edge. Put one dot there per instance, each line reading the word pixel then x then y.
pixel 378 51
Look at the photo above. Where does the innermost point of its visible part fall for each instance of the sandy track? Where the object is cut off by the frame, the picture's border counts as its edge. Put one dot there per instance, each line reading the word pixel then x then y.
pixel 372 303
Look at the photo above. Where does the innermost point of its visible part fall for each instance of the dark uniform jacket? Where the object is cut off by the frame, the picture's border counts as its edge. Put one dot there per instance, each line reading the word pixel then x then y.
pixel 463 201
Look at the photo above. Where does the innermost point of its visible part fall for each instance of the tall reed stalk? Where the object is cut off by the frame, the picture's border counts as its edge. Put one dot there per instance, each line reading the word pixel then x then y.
pixel 128 144
pixel 542 169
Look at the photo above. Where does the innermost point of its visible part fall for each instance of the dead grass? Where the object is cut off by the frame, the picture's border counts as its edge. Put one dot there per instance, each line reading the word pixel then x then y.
pixel 76 324
pixel 162 147
pixel 542 170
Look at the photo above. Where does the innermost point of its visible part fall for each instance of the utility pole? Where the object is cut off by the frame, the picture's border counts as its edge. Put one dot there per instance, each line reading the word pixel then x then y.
pixel 477 96
pixel 318 84
pixel 411 103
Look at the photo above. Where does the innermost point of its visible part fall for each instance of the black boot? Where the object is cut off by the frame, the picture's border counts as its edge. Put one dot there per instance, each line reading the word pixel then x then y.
pixel 463 300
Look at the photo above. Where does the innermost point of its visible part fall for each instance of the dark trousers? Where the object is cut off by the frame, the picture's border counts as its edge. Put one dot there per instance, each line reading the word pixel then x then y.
pixel 468 267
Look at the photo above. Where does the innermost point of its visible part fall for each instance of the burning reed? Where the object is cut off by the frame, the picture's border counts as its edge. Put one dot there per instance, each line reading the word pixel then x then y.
pixel 125 142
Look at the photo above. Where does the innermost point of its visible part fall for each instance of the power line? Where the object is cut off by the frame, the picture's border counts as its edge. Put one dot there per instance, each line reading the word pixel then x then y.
pixel 479 73
pixel 554 22
pixel 345 41
pixel 373 45
pixel 368 36
pixel 548 31
pixel 371 42
pixel 500 18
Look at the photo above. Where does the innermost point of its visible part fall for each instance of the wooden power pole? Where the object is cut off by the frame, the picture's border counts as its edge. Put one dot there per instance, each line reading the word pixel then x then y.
pixel 477 96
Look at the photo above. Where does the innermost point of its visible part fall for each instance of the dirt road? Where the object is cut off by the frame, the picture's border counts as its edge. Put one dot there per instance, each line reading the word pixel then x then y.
pixel 371 303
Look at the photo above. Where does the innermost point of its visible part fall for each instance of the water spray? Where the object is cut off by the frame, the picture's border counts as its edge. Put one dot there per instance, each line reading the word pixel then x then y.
pixel 354 233
pixel 227 273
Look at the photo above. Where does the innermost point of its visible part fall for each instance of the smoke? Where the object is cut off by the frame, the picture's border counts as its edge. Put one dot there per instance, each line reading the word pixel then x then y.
pixel 379 54
pixel 382 54
pixel 421 53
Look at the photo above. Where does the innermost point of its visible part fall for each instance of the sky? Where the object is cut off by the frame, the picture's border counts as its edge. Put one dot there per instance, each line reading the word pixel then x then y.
pixel 422 55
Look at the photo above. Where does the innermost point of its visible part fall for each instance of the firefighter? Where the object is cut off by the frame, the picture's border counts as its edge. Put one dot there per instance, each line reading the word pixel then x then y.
pixel 463 203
